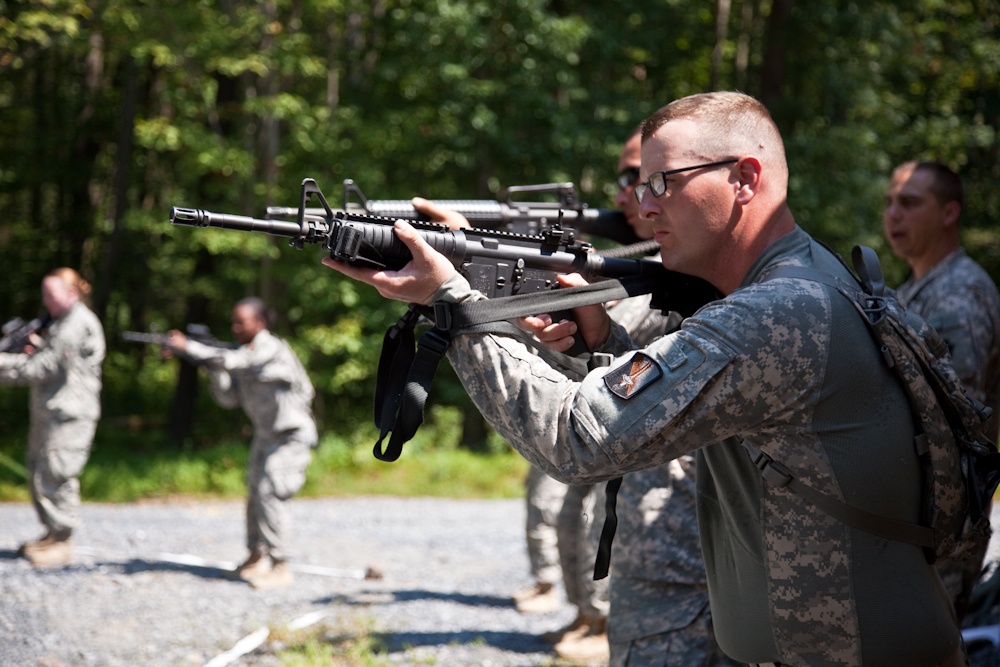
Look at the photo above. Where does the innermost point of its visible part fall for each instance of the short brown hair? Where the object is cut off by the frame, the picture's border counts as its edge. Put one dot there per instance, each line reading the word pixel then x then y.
pixel 946 185
pixel 732 124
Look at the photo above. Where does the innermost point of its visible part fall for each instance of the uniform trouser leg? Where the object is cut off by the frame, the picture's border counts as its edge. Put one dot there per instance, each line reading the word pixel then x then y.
pixel 275 473
pixel 58 450
pixel 960 576
pixel 691 645
pixel 577 550
pixel 544 498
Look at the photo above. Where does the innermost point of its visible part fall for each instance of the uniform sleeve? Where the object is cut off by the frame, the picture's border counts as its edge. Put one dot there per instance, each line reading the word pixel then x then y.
pixel 28 369
pixel 219 362
pixel 648 407
pixel 968 324
pixel 735 365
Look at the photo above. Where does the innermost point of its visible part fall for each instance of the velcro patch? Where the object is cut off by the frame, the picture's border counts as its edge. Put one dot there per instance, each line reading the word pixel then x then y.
pixel 633 376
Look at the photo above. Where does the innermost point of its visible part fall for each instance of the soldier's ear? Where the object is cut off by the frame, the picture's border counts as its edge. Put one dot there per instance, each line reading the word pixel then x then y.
pixel 748 179
pixel 952 211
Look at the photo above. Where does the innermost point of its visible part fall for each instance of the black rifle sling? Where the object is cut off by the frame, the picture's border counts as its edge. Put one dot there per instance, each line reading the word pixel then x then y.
pixel 602 563
pixel 403 381
pixel 405 374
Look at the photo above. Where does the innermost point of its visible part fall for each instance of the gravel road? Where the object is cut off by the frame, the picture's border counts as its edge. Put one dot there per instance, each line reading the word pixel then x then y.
pixel 149 587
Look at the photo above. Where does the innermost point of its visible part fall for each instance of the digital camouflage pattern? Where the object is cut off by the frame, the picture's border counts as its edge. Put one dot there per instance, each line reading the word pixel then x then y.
pixel 543 499
pixel 958 298
pixel 658 588
pixel 789 365
pixel 65 405
pixel 267 380
pixel 582 508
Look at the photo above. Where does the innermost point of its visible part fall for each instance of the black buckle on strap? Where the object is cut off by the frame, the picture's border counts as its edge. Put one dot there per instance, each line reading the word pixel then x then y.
pixel 442 315
pixel 772 471
pixel 434 341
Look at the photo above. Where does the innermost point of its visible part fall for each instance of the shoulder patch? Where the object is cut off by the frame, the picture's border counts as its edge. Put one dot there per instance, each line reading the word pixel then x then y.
pixel 633 376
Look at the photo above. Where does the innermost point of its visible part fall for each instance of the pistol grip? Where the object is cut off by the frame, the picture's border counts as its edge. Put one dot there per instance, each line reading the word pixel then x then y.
pixel 579 345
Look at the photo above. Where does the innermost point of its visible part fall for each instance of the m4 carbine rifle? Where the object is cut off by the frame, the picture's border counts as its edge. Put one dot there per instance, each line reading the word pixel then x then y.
pixel 514 214
pixel 17 332
pixel 497 263
pixel 196 332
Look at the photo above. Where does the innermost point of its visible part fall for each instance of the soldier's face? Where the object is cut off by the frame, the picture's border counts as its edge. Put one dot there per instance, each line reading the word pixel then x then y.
pixel 57 296
pixel 694 219
pixel 246 324
pixel 631 158
pixel 913 219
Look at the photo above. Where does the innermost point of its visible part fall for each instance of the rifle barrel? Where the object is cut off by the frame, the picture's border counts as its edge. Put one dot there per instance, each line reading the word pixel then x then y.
pixel 143 337
pixel 196 217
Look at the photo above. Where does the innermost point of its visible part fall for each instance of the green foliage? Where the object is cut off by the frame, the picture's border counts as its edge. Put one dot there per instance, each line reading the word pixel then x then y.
pixel 116 111
pixel 130 462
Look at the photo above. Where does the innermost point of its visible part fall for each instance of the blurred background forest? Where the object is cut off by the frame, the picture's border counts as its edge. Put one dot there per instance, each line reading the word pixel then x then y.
pixel 112 111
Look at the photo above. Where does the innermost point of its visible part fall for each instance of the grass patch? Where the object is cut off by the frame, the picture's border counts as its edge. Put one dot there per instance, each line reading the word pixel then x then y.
pixel 126 465
pixel 348 642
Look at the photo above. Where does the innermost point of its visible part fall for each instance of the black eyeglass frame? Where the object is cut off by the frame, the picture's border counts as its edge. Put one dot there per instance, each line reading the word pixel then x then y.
pixel 661 177
pixel 626 177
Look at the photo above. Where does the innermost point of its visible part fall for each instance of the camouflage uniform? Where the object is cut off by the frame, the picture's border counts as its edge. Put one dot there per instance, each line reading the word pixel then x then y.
pixel 267 380
pixel 789 365
pixel 543 497
pixel 583 507
pixel 658 587
pixel 65 379
pixel 958 298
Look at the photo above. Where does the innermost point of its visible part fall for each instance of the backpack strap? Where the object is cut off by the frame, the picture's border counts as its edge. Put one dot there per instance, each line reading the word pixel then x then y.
pixel 775 473
pixel 779 476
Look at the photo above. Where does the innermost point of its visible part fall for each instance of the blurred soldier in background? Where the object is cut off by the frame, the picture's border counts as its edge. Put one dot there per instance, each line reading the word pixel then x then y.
pixel 543 499
pixel 63 369
pixel 265 378
pixel 953 293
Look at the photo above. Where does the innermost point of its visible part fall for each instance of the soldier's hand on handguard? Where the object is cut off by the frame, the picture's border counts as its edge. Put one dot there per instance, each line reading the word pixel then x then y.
pixel 414 283
pixel 444 216
pixel 176 342
pixel 34 343
pixel 592 322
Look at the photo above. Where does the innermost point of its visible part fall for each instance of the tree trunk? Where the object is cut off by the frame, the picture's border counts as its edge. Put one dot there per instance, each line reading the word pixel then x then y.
pixel 721 30
pixel 123 164
pixel 182 411
pixel 772 78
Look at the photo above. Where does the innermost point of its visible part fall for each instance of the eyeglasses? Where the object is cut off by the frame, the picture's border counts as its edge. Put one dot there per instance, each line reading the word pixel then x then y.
pixel 657 182
pixel 626 177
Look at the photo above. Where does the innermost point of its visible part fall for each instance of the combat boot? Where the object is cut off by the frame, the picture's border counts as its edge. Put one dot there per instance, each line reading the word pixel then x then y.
pixel 278 576
pixel 28 547
pixel 52 552
pixel 256 564
pixel 587 644
pixel 556 636
pixel 539 599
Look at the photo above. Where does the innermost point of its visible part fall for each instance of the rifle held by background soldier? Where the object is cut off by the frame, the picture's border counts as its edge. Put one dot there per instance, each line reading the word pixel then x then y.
pixel 17 333
pixel 510 215
pixel 197 332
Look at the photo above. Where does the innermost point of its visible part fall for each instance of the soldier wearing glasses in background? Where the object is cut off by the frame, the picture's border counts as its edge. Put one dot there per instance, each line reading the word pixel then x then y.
pixel 785 364
pixel 953 293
